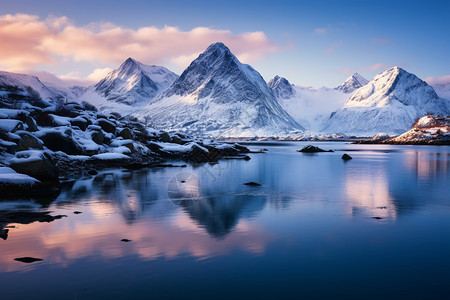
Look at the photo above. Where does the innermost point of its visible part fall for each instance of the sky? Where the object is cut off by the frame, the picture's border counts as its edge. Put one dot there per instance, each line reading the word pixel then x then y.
pixel 318 43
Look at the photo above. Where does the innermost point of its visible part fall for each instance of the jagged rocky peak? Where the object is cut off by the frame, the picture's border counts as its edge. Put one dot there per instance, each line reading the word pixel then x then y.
pixel 352 83
pixel 134 82
pixel 220 96
pixel 281 87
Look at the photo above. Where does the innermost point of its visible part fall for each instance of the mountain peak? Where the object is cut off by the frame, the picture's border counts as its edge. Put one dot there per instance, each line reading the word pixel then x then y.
pixel 281 87
pixel 352 83
pixel 217 46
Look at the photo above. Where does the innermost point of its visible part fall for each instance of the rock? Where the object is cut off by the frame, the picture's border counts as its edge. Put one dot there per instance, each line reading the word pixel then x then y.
pixel 251 183
pixel 125 240
pixel 377 218
pixel 31 124
pixel 44 119
pixel 27 217
pixel 247 157
pixel 36 164
pixel 200 154
pixel 177 140
pixel 106 125
pixel 57 141
pixel 92 172
pixel 98 137
pixel 346 157
pixel 312 149
pixel 27 259
pixel 165 137
pixel 125 134
pixel 77 212
pixel 4 234
pixel 81 122
pixel 28 140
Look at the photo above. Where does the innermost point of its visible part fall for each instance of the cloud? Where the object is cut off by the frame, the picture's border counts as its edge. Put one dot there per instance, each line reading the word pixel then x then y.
pixel 98 74
pixel 380 41
pixel 28 41
pixel 320 30
pixel 437 80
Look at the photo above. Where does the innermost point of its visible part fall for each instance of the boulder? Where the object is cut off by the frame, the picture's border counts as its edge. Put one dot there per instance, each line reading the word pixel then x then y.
pixel 58 141
pixel 44 119
pixel 165 137
pixel 28 140
pixel 81 122
pixel 106 125
pixel 313 149
pixel 10 125
pixel 31 124
pixel 346 157
pixel 98 137
pixel 125 134
pixel 36 164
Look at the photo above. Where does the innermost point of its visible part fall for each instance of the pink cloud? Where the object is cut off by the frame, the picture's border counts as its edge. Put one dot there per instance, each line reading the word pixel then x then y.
pixel 28 41
pixel 438 80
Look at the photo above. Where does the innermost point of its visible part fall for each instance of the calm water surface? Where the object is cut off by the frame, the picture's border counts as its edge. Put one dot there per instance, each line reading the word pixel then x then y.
pixel 198 233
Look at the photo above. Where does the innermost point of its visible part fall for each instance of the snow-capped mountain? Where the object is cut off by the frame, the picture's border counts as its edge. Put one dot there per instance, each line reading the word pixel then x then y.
pixel 22 81
pixel 134 82
pixel 389 103
pixel 217 95
pixel 281 87
pixel 309 106
pixel 352 83
pixel 442 89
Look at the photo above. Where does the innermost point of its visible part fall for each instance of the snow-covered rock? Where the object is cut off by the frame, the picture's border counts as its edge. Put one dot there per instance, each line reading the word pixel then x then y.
pixel 427 130
pixel 281 88
pixel 352 83
pixel 134 82
pixel 389 103
pixel 217 95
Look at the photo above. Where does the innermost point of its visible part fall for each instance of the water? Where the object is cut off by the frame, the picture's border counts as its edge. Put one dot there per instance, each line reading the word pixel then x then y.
pixel 199 233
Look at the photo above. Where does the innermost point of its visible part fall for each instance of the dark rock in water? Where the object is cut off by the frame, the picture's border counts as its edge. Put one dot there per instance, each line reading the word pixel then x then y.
pixel 106 125
pixel 377 218
pixel 247 157
pixel 77 212
pixel 251 183
pixel 4 234
pixel 313 149
pixel 125 240
pixel 27 217
pixel 40 166
pixel 346 157
pixel 57 141
pixel 27 259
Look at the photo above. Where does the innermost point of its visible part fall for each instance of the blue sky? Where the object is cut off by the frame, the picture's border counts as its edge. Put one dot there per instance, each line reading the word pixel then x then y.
pixel 314 42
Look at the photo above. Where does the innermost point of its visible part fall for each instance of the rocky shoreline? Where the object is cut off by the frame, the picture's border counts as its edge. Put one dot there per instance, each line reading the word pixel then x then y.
pixel 44 143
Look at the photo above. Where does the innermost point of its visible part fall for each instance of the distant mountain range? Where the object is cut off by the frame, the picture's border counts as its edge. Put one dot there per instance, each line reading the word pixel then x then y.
pixel 217 95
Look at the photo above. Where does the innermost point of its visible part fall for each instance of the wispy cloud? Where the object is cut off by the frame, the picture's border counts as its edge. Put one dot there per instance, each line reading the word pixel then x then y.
pixel 320 30
pixel 27 41
pixel 438 80
pixel 380 41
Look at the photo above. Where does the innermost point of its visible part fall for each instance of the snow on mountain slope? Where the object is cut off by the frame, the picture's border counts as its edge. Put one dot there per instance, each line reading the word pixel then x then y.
pixel 23 80
pixel 389 103
pixel 308 106
pixel 352 83
pixel 219 96
pixel 134 82
pixel 442 89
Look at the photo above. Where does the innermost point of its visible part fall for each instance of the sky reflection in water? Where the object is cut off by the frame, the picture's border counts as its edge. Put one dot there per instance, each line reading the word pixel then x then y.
pixel 311 222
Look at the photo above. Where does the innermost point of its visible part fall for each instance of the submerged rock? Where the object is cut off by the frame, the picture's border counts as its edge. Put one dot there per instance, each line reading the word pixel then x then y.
pixel 251 183
pixel 4 234
pixel 125 240
pixel 313 149
pixel 345 156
